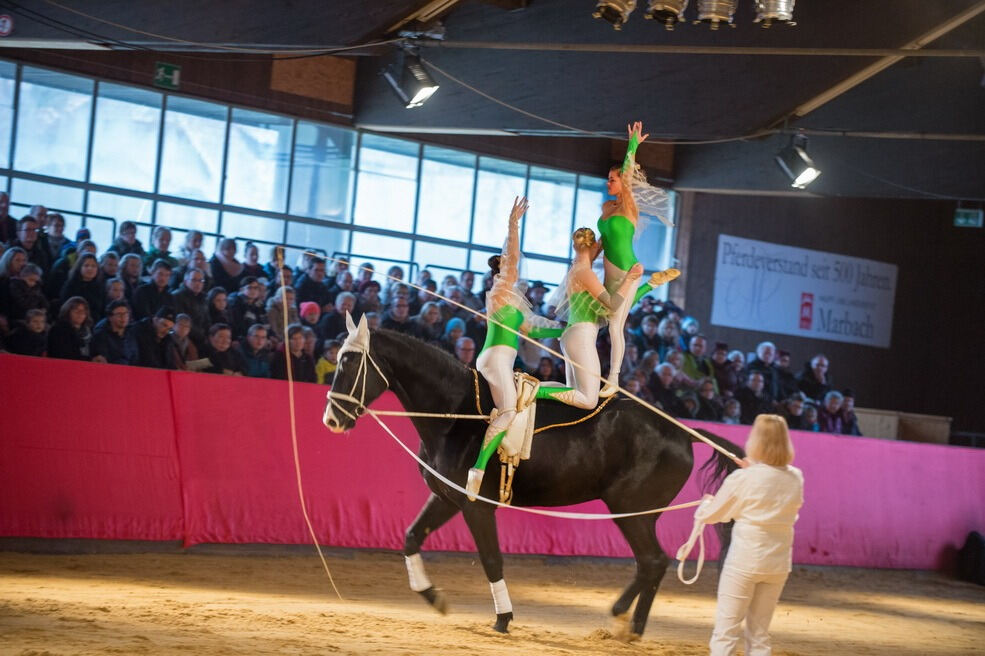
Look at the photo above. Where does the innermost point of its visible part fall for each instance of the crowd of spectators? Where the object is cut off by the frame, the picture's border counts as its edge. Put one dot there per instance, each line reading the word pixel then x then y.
pixel 178 309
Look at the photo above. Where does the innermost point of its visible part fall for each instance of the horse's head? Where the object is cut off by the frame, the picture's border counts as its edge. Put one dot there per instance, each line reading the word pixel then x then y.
pixel 358 379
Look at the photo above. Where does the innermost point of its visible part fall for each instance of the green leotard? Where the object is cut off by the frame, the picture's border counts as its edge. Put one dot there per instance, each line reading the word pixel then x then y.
pixel 511 317
pixel 617 241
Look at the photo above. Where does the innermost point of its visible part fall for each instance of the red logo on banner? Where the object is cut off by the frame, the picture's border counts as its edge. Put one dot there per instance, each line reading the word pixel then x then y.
pixel 806 310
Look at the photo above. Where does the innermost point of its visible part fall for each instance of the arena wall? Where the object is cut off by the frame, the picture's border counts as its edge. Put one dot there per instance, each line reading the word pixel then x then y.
pixel 111 452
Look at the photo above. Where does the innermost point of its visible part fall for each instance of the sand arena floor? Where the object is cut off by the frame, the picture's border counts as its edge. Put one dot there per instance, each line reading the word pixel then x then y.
pixel 247 601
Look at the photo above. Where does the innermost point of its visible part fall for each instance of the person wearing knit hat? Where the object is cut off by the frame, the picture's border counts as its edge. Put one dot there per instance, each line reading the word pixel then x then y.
pixel 309 313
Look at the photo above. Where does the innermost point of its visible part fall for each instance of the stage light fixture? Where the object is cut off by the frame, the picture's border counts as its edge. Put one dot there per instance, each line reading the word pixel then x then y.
pixel 669 12
pixel 774 11
pixel 615 12
pixel 410 80
pixel 796 163
pixel 716 12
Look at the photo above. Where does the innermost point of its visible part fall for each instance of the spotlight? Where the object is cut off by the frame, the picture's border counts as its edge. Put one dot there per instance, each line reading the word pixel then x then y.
pixel 795 162
pixel 410 80
pixel 714 12
pixel 780 11
pixel 669 12
pixel 615 12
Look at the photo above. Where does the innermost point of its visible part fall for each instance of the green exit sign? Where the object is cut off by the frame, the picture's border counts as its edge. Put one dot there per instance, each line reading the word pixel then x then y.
pixel 167 76
pixel 967 218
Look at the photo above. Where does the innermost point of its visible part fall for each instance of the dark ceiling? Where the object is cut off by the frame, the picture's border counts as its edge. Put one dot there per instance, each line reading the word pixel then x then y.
pixel 679 97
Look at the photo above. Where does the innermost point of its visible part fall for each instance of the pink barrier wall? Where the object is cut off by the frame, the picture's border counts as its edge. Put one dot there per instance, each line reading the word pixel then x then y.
pixel 128 453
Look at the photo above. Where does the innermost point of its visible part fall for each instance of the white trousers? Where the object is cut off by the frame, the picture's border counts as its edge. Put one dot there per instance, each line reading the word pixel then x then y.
pixel 578 344
pixel 496 366
pixel 614 277
pixel 749 597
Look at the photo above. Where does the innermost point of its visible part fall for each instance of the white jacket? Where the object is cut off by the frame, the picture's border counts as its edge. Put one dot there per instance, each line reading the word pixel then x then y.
pixel 763 500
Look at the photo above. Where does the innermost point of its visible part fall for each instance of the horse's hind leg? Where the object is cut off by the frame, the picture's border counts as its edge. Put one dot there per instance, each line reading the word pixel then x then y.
pixel 434 514
pixel 651 564
pixel 482 524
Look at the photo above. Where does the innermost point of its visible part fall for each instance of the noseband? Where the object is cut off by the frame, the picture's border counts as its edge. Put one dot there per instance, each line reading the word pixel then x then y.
pixel 361 375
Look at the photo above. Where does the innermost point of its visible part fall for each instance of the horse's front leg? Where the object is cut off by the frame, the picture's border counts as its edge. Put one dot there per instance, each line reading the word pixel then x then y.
pixel 433 515
pixel 481 521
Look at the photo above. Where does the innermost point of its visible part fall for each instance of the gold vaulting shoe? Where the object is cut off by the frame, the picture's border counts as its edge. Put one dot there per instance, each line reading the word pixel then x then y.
pixel 658 278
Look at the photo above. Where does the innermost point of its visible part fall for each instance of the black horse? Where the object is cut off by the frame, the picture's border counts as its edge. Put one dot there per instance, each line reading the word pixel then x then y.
pixel 628 457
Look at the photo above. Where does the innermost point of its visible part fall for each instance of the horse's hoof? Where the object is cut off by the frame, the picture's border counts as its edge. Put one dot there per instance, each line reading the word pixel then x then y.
pixel 621 630
pixel 502 624
pixel 436 598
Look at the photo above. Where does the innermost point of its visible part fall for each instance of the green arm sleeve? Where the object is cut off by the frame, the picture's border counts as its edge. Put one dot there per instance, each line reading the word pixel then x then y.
pixel 630 153
pixel 540 333
pixel 643 290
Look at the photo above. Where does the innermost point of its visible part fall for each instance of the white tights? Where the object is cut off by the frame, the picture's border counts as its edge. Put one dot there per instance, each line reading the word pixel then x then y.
pixel 614 277
pixel 578 344
pixel 496 366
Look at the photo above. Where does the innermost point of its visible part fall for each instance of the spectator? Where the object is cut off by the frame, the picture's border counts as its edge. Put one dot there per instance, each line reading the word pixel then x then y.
pixel 681 379
pixel 12 261
pixel 302 366
pixel 726 377
pixel 83 280
pixel 423 295
pixel 271 270
pixel 810 418
pixel 547 371
pixel 793 412
pixel 398 317
pixel 709 404
pixel 190 300
pixel 225 360
pixel 8 225
pixel 192 243
pixel 226 270
pixel 753 397
pixel 154 343
pixel 310 313
pixel 55 280
pixel 328 362
pixel 849 420
pixel 689 328
pixel 339 265
pixel 28 233
pixel 127 241
pixel 646 336
pixel 197 261
pixel 115 291
pixel 428 323
pixel 394 275
pixel 31 338
pixel 732 414
pixel 310 342
pixel 423 277
pixel 664 390
pixel 697 365
pixel 343 283
pixel 25 293
pixel 642 379
pixel 255 352
pixel 363 275
pixel 251 261
pixel 161 241
pixel 183 348
pixel 669 337
pixel 275 312
pixel 372 321
pixel 333 323
pixel 109 265
pixel 152 296
pixel 646 306
pixel 829 414
pixel 689 405
pixel 70 336
pixel 131 266
pixel 56 235
pixel 454 329
pixel 813 379
pixel 465 351
pixel 535 293
pixel 113 339
pixel 763 363
pixel 246 306
pixel 633 385
pixel 467 281
pixel 738 360
pixel 369 297
pixel 786 381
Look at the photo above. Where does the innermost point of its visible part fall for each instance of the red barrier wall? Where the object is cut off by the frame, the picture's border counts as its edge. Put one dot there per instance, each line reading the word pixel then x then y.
pixel 102 451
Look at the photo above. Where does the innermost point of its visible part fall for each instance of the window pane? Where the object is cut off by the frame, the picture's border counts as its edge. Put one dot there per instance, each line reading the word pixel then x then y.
pixel 67 201
pixel 439 259
pixel 331 240
pixel 323 175
pixel 8 73
pixel 387 185
pixel 191 165
pixel 121 208
pixel 247 226
pixel 185 218
pixel 550 273
pixel 124 150
pixel 447 180
pixel 381 251
pixel 500 182
pixel 53 123
pixel 259 159
pixel 588 208
pixel 547 227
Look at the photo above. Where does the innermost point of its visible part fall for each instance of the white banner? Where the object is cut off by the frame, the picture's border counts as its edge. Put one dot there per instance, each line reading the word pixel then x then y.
pixel 773 288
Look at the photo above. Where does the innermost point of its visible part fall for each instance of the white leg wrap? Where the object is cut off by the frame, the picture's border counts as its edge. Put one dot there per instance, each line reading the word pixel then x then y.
pixel 501 597
pixel 419 580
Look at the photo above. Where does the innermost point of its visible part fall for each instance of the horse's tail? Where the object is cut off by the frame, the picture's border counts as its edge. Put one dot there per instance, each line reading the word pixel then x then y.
pixel 713 472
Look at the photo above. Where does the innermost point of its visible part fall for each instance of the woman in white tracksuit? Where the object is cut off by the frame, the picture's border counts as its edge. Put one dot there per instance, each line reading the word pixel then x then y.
pixel 763 498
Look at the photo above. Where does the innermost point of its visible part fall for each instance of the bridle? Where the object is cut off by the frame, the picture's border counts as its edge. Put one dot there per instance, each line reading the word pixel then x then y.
pixel 358 383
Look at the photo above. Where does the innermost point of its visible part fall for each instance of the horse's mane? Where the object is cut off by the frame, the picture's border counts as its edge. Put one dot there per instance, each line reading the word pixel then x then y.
pixel 429 354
